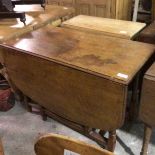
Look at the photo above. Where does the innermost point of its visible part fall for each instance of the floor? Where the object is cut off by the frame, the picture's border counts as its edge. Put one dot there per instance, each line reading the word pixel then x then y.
pixel 19 130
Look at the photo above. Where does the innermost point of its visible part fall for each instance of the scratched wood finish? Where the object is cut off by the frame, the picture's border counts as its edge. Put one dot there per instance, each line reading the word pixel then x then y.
pixel 88 51
pixel 147 108
pixel 110 27
pixel 59 69
pixel 57 144
pixel 36 17
pixel 118 9
pixel 70 93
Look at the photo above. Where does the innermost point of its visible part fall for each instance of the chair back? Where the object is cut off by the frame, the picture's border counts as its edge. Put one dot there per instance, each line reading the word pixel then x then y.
pixel 53 144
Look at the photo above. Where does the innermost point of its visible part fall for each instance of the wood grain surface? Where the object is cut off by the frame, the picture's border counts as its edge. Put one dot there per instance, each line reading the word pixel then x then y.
pixel 105 26
pixel 75 95
pixel 36 18
pixel 115 59
pixel 79 76
pixel 117 9
pixel 52 144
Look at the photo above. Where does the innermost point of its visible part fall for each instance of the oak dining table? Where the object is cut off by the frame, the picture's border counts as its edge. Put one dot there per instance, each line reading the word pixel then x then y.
pixel 80 79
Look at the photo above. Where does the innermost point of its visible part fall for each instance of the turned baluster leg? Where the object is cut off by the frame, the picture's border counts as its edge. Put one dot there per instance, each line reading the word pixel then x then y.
pixel 146 139
pixel 43 114
pixel 111 141
pixel 28 107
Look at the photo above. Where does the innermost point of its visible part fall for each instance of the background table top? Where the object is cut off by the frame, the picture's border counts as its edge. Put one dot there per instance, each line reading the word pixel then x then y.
pixel 115 59
pixel 35 17
pixel 111 27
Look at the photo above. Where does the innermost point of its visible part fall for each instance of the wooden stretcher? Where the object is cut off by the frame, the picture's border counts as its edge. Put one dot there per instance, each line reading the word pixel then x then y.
pixel 78 78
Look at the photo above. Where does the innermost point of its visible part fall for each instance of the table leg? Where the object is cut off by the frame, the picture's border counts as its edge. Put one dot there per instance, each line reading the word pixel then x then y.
pixel 112 141
pixel 108 143
pixel 134 99
pixel 43 114
pixel 26 102
pixel 146 139
pixel 1 148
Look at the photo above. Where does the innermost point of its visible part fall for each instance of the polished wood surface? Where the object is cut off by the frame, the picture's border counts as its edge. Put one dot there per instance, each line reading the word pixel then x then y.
pixel 67 91
pixel 117 9
pixel 105 26
pixel 36 17
pixel 147 108
pixel 52 144
pixel 87 52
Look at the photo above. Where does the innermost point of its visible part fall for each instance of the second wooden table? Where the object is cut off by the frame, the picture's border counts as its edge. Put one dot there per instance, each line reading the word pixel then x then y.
pixel 105 26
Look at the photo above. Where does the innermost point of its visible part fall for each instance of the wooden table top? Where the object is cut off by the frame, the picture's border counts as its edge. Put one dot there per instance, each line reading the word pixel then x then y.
pixel 115 59
pixel 110 27
pixel 35 18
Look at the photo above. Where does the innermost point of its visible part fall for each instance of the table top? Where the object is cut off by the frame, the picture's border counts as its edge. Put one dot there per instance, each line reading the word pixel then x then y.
pixel 35 18
pixel 111 27
pixel 115 59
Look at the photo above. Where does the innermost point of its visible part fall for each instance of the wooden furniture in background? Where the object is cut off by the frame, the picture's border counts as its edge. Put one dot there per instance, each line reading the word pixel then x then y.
pixel 77 77
pixel 52 144
pixel 105 26
pixel 147 107
pixel 36 17
pixel 118 9
pixel 148 34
